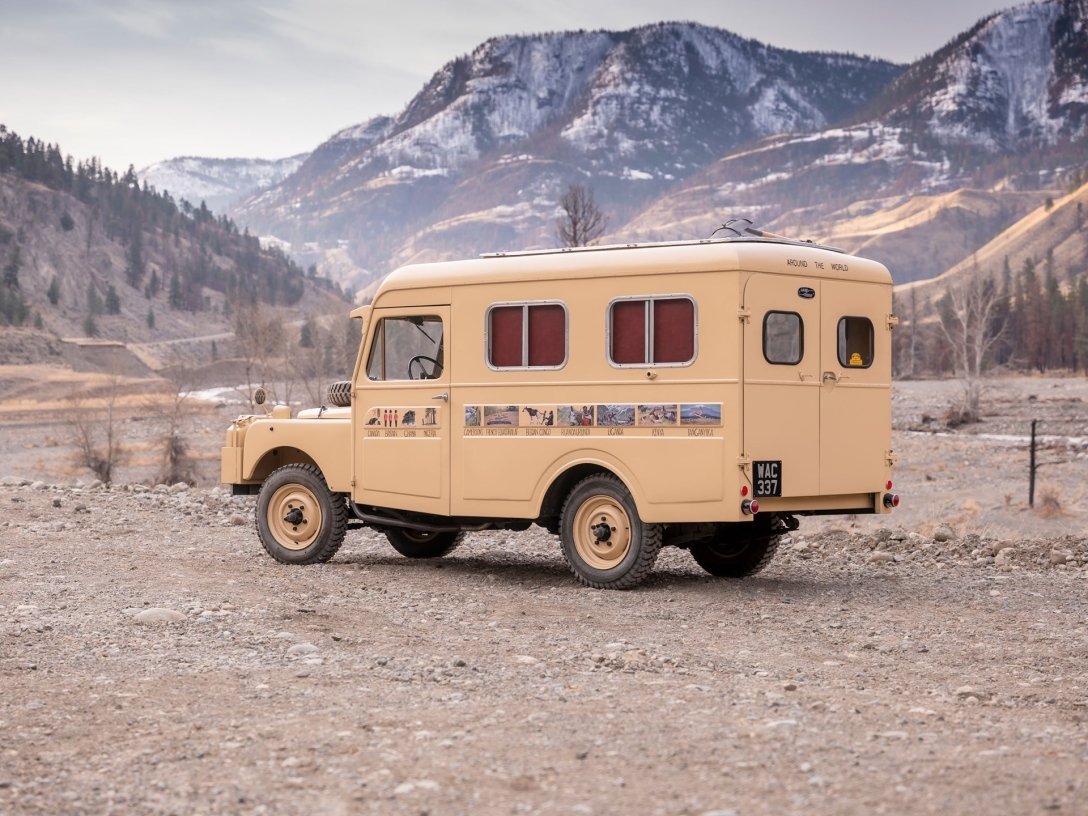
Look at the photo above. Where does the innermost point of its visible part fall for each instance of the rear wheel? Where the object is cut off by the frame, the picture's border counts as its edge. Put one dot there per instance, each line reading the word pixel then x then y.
pixel 734 552
pixel 299 520
pixel 422 544
pixel 604 541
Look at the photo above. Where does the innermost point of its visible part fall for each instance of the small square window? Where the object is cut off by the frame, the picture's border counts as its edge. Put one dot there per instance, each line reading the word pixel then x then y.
pixel 855 342
pixel 783 338
pixel 527 335
pixel 652 331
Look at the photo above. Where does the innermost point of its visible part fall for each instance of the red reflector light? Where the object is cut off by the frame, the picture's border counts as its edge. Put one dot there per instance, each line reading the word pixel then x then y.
pixel 889 485
pixel 744 490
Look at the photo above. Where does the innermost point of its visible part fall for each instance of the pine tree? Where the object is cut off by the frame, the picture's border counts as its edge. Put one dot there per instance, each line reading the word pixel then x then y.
pixel 12 267
pixel 151 319
pixel 1033 319
pixel 113 301
pixel 175 292
pixel 94 302
pixel 53 292
pixel 306 334
pixel 134 268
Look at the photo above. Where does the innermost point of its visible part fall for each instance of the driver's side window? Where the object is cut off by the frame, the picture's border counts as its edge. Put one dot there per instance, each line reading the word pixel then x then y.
pixel 406 348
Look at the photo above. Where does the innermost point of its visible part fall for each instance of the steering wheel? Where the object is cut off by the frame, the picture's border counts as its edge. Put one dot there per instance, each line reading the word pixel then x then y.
pixel 436 367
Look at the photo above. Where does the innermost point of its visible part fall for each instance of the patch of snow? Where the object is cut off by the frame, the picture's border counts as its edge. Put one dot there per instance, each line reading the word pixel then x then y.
pixel 406 172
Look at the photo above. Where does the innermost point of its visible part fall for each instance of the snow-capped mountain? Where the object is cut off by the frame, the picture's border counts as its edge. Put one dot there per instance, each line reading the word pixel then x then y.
pixel 217 182
pixel 676 126
pixel 478 158
pixel 1003 108
pixel 1014 79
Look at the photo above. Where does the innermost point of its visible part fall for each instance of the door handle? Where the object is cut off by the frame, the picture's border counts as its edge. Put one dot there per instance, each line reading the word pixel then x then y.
pixel 830 377
pixel 444 396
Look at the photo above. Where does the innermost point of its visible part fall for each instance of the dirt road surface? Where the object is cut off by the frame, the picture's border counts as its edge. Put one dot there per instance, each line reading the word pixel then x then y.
pixel 154 660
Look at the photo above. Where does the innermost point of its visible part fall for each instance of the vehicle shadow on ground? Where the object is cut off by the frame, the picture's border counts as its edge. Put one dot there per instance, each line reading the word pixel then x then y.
pixel 542 571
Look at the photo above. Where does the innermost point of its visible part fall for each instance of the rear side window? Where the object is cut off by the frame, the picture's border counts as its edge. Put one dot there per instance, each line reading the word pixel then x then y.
pixel 783 338
pixel 527 335
pixel 651 331
pixel 855 342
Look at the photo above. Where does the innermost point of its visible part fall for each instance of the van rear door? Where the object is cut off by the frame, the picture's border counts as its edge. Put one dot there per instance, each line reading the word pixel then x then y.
pixel 782 384
pixel 855 392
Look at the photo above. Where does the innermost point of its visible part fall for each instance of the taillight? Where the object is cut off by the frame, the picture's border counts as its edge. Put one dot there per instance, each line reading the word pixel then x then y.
pixel 891 500
pixel 749 507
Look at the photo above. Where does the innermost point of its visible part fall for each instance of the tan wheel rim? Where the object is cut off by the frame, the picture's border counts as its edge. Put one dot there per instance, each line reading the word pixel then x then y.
pixel 294 517
pixel 602 532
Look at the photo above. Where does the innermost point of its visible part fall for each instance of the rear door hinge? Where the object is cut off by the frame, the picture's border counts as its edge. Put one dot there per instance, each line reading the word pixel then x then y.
pixel 744 461
pixel 891 457
pixel 893 321
pixel 744 314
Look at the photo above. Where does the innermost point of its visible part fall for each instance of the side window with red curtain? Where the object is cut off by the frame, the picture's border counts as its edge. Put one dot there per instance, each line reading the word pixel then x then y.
pixel 527 335
pixel 652 331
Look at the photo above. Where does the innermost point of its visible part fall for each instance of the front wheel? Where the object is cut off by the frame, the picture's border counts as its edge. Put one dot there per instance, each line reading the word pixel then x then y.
pixel 299 520
pixel 422 544
pixel 605 543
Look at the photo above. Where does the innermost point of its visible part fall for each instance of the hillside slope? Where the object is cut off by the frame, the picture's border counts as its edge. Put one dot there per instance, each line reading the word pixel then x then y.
pixel 88 252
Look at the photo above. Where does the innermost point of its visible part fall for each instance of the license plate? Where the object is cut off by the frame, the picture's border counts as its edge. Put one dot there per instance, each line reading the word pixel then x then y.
pixel 767 478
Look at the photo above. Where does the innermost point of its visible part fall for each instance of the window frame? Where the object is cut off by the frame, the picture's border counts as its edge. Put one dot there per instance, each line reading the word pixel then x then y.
pixel 648 326
pixel 378 339
pixel 525 304
pixel 872 343
pixel 801 344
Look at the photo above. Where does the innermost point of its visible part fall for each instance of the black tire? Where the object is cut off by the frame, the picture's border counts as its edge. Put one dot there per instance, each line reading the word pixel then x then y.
pixel 421 544
pixel 339 394
pixel 620 555
pixel 734 552
pixel 299 520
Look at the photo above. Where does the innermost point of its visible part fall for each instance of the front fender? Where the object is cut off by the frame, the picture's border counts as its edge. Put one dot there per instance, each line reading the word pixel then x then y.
pixel 271 443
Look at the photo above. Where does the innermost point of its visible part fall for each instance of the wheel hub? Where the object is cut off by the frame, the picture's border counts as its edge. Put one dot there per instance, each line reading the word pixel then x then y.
pixel 602 532
pixel 294 517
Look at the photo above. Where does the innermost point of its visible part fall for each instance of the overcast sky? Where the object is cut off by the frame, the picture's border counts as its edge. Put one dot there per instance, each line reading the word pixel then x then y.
pixel 136 81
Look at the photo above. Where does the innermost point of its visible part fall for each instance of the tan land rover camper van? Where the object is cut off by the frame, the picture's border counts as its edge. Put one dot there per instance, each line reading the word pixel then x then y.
pixel 700 394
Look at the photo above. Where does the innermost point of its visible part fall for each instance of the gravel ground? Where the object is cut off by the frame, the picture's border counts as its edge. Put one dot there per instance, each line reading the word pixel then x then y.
pixel 154 660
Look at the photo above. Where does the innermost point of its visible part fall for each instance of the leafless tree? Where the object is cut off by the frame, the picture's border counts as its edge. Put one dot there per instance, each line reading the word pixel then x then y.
pixel 97 436
pixel 968 325
pixel 261 339
pixel 582 222
pixel 177 463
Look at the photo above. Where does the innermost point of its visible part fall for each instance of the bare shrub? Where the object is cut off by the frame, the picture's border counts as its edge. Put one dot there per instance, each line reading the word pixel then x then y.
pixel 958 415
pixel 1050 501
pixel 177 464
pixel 94 425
